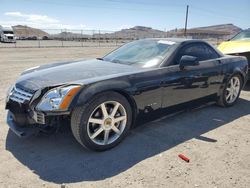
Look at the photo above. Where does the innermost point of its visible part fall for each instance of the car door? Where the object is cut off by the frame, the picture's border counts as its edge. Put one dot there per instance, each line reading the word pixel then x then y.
pixel 193 82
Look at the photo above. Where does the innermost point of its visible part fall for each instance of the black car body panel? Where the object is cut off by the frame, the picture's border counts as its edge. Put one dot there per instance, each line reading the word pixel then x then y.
pixel 78 72
pixel 147 89
pixel 247 55
pixel 167 86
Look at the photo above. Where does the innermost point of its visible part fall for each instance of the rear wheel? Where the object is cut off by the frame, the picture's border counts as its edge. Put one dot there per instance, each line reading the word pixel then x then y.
pixel 231 91
pixel 103 122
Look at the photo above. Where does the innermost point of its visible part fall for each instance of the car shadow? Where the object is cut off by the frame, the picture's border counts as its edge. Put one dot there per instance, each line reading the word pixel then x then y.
pixel 60 159
pixel 247 86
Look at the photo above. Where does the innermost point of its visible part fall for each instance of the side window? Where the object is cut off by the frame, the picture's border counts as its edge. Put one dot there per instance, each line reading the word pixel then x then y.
pixel 210 53
pixel 201 51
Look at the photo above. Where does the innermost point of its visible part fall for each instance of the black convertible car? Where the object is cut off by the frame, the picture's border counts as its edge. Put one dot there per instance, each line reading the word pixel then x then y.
pixel 102 97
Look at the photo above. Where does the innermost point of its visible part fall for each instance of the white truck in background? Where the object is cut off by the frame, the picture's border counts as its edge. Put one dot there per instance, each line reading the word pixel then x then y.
pixel 7 35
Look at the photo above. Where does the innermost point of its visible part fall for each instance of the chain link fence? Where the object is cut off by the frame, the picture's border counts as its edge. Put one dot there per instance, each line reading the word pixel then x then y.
pixel 37 38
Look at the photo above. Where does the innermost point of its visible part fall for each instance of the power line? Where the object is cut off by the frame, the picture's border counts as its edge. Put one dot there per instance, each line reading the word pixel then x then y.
pixel 162 7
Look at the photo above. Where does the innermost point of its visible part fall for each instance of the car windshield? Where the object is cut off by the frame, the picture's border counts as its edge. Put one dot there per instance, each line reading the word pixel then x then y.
pixel 8 32
pixel 144 53
pixel 244 35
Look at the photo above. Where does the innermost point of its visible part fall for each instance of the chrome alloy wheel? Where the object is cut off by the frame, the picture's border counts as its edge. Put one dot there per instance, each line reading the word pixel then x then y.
pixel 233 89
pixel 107 122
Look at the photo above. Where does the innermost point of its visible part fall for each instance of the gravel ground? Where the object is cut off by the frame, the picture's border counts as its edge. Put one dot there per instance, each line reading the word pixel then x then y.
pixel 217 141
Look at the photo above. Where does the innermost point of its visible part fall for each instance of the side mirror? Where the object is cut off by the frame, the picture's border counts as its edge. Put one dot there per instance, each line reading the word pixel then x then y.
pixel 187 60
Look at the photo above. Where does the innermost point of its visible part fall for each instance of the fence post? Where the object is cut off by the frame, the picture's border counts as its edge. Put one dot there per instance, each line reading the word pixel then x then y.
pixel 62 37
pixel 115 39
pixel 93 40
pixel 39 45
pixel 82 37
pixel 99 37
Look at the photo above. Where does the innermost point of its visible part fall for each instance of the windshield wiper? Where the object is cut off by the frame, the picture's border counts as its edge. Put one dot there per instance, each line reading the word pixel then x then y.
pixel 116 61
pixel 122 62
pixel 99 58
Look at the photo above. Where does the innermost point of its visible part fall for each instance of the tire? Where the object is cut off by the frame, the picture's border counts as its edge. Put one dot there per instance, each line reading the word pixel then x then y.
pixel 224 99
pixel 90 123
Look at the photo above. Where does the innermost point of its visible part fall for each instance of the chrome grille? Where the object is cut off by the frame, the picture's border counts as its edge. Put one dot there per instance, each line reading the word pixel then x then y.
pixel 20 95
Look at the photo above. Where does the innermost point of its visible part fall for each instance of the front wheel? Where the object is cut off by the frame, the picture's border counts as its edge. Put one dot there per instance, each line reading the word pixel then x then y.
pixel 231 91
pixel 103 122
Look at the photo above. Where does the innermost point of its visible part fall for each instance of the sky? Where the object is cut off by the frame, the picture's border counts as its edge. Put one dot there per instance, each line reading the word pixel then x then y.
pixel 112 15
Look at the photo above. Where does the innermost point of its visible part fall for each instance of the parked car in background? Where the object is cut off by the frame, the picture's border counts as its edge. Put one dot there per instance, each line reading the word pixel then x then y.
pixel 32 38
pixel 239 45
pixel 103 97
pixel 7 35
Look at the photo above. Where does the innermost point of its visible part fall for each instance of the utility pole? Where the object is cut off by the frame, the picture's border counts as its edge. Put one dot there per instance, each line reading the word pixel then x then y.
pixel 185 30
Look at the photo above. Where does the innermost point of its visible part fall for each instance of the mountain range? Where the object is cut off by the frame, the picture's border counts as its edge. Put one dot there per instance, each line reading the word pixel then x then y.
pixel 224 30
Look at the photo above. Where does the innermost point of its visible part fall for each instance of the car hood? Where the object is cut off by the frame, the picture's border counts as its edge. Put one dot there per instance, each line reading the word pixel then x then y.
pixel 231 47
pixel 77 72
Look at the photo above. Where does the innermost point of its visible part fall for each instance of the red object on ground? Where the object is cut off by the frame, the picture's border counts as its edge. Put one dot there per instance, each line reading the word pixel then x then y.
pixel 183 157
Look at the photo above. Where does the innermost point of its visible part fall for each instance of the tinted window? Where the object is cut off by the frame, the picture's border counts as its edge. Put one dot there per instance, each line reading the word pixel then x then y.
pixel 8 32
pixel 210 53
pixel 201 51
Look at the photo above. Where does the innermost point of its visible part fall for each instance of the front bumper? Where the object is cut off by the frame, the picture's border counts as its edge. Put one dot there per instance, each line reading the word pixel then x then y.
pixel 20 131
pixel 23 119
pixel 24 122
pixel 9 40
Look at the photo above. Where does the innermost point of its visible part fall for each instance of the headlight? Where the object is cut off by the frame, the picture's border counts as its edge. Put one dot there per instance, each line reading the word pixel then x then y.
pixel 57 98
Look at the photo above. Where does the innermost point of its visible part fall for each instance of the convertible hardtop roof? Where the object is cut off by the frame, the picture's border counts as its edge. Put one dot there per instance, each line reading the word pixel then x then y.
pixel 181 41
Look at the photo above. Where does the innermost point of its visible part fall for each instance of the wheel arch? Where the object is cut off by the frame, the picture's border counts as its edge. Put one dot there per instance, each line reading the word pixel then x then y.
pixel 89 91
pixel 238 71
pixel 131 101
pixel 235 71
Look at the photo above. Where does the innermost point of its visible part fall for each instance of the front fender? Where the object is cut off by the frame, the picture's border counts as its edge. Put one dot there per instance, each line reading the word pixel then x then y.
pixel 89 91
